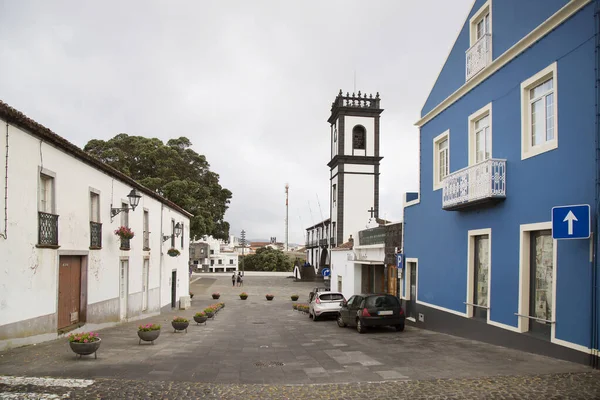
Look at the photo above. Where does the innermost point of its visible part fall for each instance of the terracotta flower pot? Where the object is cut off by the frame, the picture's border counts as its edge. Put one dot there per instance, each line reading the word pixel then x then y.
pixel 148 336
pixel 84 349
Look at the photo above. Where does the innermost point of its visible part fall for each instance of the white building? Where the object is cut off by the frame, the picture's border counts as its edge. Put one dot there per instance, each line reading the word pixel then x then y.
pixel 63 268
pixel 220 257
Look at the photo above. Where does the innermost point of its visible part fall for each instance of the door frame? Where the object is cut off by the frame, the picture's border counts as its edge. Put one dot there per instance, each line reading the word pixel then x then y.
pixel 469 308
pixel 145 282
pixel 406 282
pixel 83 289
pixel 174 288
pixel 123 316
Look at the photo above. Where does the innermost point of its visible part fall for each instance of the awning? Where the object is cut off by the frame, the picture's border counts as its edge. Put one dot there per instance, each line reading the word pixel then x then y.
pixel 369 262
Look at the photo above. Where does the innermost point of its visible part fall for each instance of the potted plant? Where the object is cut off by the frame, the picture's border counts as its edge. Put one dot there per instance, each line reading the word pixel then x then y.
pixel 124 232
pixel 148 332
pixel 180 324
pixel 270 296
pixel 191 295
pixel 216 295
pixel 173 252
pixel 210 312
pixel 243 295
pixel 295 306
pixel 295 297
pixel 84 343
pixel 200 317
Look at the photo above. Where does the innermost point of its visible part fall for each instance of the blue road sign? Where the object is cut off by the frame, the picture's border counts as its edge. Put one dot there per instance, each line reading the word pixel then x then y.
pixel 326 272
pixel 399 261
pixel 571 222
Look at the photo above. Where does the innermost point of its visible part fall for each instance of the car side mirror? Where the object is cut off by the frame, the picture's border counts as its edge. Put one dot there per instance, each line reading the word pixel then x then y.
pixel 344 303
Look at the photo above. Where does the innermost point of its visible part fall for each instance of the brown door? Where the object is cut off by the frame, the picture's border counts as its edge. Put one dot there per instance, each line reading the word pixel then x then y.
pixel 69 291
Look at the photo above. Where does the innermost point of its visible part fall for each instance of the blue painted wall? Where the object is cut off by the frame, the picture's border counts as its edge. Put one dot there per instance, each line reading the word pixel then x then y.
pixel 563 176
pixel 511 21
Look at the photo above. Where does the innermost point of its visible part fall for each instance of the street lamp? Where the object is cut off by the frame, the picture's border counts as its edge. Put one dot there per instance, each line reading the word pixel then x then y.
pixel 134 201
pixel 176 232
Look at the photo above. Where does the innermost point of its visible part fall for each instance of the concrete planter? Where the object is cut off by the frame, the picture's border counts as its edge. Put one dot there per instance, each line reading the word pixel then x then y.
pixel 180 326
pixel 85 349
pixel 216 296
pixel 243 297
pixel 210 314
pixel 148 336
pixel 294 298
pixel 269 297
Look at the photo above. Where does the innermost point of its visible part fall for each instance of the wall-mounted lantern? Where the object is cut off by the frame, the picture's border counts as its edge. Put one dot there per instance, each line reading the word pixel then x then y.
pixel 177 232
pixel 134 201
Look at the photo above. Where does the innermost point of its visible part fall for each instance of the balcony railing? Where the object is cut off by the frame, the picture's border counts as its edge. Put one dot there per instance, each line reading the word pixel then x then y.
pixel 47 229
pixel 95 235
pixel 479 55
pixel 125 244
pixel 479 183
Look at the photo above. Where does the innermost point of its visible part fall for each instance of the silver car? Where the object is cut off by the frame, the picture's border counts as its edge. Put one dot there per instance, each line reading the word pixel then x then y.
pixel 325 304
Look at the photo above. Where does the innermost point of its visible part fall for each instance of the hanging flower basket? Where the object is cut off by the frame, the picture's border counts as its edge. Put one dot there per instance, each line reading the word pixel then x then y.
pixel 124 233
pixel 173 252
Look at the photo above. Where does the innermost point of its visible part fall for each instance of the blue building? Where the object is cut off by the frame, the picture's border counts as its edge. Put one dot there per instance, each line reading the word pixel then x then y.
pixel 509 131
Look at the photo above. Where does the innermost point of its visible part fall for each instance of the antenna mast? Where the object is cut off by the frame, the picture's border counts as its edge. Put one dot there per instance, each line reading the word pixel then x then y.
pixel 287 189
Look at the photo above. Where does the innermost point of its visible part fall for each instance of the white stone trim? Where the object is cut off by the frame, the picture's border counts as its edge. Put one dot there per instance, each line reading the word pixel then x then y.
pixel 437 183
pixel 522 45
pixel 524 278
pixel 473 118
pixel 503 326
pixel 526 150
pixel 570 345
pixel 412 202
pixel 484 9
pixel 471 270
pixel 406 278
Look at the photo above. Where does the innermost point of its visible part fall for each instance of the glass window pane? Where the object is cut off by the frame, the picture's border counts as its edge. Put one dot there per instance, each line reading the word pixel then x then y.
pixel 544 270
pixel 488 143
pixel 481 270
pixel 537 123
pixel 550 116
pixel 541 88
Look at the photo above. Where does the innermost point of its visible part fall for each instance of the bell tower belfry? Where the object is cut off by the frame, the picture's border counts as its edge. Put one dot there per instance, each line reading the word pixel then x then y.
pixel 354 165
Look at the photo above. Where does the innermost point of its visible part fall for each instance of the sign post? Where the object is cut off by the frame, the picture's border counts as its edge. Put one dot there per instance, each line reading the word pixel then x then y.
pixel 571 222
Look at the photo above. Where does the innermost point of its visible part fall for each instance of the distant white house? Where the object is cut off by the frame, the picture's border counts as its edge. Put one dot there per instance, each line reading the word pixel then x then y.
pixel 63 267
pixel 215 255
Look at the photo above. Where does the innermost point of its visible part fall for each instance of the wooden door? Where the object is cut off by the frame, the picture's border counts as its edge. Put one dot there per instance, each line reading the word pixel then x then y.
pixel 69 290
pixel 145 272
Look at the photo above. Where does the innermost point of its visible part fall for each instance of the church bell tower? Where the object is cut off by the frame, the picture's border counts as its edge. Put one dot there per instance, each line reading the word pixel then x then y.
pixel 354 165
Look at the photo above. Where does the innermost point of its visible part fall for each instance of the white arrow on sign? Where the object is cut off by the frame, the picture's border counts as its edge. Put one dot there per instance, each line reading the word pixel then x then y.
pixel 569 219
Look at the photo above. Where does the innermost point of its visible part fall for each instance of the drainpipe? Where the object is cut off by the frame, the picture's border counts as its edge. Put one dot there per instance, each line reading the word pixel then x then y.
pixel 595 317
pixel 5 233
pixel 160 263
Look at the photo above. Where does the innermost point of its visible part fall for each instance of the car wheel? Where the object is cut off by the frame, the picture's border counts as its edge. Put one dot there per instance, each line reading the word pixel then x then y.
pixel 399 328
pixel 315 317
pixel 340 321
pixel 310 314
pixel 360 327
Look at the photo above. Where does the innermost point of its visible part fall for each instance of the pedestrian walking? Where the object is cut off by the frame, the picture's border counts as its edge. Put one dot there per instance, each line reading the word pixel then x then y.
pixel 239 279
pixel 233 279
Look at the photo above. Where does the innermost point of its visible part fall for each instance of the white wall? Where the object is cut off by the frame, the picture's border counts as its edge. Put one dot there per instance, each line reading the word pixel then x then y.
pixel 358 199
pixel 29 284
pixel 348 270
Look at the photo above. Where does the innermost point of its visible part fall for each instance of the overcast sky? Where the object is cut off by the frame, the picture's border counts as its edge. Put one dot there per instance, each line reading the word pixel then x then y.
pixel 249 82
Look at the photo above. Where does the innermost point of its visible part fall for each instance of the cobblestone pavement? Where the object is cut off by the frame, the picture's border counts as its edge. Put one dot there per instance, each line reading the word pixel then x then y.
pixel 547 387
pixel 264 349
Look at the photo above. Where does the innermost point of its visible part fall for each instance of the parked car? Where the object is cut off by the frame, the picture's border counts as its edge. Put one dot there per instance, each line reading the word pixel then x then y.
pixel 325 304
pixel 316 290
pixel 367 310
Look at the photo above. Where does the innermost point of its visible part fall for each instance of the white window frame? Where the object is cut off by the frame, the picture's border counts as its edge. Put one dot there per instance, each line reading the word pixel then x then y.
pixel 484 10
pixel 437 182
pixel 98 217
pixel 473 118
pixel 527 150
pixel 471 270
pixel 48 177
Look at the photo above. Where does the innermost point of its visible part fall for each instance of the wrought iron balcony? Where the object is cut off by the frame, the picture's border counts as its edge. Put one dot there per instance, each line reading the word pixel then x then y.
pixel 322 242
pixel 95 235
pixel 480 183
pixel 47 229
pixel 125 244
pixel 479 55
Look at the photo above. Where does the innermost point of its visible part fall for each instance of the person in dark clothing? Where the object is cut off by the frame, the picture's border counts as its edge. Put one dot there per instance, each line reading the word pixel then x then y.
pixel 233 279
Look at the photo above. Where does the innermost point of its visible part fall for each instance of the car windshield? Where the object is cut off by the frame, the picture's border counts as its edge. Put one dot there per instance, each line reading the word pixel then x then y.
pixel 382 301
pixel 332 296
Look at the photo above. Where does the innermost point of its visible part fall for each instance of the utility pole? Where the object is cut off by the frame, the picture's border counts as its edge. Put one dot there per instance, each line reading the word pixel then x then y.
pixel 243 243
pixel 287 189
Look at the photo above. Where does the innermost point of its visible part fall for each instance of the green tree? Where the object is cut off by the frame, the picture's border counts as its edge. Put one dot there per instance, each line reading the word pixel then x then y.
pixel 268 259
pixel 174 171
